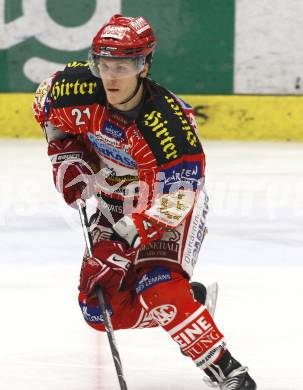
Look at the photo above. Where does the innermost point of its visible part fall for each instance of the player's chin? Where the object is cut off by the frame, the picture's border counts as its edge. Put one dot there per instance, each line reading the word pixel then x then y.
pixel 114 98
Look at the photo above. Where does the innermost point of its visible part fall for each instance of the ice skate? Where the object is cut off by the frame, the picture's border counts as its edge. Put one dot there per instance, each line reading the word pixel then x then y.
pixel 228 374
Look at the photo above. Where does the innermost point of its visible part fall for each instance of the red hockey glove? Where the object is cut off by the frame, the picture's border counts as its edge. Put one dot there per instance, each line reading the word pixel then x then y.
pixel 106 268
pixel 71 172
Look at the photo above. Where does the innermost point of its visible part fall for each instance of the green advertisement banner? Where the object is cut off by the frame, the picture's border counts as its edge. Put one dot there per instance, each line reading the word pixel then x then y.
pixel 194 54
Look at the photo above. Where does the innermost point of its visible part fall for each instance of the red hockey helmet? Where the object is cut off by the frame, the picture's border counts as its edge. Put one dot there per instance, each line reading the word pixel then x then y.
pixel 123 37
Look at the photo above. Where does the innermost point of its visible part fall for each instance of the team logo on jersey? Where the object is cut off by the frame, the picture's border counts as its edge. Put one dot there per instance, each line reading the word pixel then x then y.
pixel 156 276
pixel 164 314
pixel 113 131
pixel 113 153
pixel 186 174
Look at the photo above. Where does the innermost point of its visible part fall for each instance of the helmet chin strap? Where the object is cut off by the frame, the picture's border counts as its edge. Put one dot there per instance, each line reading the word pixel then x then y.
pixel 134 93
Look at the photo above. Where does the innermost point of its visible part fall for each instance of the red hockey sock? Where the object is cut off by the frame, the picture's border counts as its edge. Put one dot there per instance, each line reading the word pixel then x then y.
pixel 172 305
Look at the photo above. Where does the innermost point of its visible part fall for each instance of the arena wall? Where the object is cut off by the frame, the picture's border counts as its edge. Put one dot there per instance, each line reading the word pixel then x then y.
pixel 239 63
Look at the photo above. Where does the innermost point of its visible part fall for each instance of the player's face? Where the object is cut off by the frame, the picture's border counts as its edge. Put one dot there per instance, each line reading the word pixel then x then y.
pixel 119 77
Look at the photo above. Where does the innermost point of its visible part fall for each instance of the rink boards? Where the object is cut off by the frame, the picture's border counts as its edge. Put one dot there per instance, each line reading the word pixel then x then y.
pixel 230 117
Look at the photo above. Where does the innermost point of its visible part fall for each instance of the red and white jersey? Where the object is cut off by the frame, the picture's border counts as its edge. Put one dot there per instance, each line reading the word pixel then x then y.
pixel 155 159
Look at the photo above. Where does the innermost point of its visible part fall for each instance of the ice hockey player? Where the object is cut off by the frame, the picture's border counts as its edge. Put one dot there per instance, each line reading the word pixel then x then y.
pixel 115 134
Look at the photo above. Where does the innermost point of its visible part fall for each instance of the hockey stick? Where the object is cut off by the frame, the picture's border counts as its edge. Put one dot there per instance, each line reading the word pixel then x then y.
pixel 104 312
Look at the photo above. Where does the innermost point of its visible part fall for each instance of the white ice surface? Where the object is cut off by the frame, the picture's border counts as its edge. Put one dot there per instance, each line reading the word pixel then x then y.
pixel 254 249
